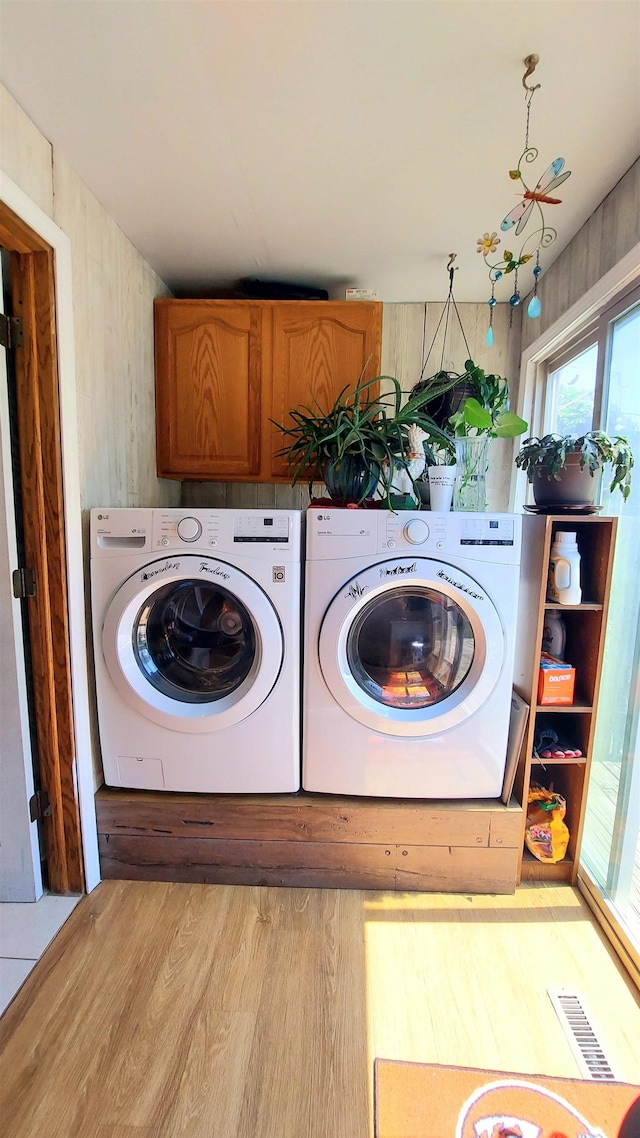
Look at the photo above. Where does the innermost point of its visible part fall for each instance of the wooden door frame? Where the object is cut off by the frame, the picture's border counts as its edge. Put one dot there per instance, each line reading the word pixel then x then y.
pixel 34 279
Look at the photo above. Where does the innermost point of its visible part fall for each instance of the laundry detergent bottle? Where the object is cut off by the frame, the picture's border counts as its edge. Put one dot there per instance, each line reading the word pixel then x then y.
pixel 554 634
pixel 564 570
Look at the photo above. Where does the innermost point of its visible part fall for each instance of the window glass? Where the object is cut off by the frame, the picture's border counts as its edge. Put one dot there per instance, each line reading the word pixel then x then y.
pixel 611 842
pixel 410 648
pixel 194 641
pixel 571 389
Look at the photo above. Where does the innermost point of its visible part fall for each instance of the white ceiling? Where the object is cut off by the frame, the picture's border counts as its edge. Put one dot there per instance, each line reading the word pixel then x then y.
pixel 330 142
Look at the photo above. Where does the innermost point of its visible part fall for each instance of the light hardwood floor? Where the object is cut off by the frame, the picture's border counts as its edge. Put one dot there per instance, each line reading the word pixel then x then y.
pixel 198 1011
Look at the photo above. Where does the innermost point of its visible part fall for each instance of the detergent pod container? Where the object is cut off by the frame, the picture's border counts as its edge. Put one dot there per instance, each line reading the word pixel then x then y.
pixel 564 570
pixel 554 634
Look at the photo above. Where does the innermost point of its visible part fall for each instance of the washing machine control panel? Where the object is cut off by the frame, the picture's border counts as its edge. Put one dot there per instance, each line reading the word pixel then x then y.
pixel 407 531
pixel 223 531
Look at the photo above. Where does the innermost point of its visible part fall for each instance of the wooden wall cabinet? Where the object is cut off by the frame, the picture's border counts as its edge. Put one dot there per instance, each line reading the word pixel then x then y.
pixel 225 368
pixel 586 626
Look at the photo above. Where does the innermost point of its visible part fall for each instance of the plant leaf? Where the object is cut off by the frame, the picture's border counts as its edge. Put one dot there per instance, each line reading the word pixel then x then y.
pixel 508 425
pixel 475 415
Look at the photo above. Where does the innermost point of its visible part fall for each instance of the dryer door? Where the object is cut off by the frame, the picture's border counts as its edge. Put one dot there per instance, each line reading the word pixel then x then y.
pixel 411 647
pixel 192 643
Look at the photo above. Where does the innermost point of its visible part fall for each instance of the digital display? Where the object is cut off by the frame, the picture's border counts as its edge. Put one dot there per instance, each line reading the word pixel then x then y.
pixel 268 529
pixel 486 531
pixel 486 541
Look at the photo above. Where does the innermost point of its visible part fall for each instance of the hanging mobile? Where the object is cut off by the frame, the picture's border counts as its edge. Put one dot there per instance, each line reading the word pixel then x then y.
pixel 519 217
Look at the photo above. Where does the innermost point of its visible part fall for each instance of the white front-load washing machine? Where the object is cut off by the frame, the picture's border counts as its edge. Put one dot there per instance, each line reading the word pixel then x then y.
pixel 196 624
pixel 409 648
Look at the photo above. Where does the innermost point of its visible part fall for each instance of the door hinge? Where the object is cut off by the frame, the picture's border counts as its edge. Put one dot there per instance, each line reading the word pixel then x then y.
pixel 11 331
pixel 40 805
pixel 24 583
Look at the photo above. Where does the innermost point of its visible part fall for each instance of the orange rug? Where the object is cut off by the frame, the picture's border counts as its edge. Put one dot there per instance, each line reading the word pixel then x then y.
pixel 416 1100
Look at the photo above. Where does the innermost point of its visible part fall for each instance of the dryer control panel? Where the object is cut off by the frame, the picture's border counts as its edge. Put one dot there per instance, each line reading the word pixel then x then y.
pixel 340 533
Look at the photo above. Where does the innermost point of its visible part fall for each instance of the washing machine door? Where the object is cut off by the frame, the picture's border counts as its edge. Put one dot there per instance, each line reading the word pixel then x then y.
pixel 193 643
pixel 411 647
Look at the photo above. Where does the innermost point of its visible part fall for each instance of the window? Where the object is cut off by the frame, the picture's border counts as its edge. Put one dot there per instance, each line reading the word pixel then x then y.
pixel 571 392
pixel 611 841
pixel 593 381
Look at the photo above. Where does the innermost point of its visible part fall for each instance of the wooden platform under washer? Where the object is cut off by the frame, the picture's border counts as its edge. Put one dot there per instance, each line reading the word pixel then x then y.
pixel 310 840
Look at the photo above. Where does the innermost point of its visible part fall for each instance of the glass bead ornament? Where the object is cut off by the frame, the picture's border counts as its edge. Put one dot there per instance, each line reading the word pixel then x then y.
pixel 492 304
pixel 534 307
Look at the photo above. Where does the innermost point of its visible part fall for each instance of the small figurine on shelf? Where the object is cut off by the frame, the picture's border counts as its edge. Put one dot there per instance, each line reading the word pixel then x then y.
pixel 398 478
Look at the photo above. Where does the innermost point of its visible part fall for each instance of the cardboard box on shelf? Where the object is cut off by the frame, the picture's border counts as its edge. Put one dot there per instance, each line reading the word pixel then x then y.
pixel 556 681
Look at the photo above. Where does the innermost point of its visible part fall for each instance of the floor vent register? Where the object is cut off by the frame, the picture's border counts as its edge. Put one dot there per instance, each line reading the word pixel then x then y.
pixel 583 1040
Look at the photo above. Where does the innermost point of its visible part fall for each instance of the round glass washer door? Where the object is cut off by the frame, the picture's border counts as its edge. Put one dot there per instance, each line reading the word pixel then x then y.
pixel 411 648
pixel 193 644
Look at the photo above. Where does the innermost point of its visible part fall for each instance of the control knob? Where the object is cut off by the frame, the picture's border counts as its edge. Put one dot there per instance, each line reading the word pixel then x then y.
pixel 416 531
pixel 189 529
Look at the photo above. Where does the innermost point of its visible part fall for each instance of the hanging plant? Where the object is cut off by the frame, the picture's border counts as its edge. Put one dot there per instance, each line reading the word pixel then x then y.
pixel 487 413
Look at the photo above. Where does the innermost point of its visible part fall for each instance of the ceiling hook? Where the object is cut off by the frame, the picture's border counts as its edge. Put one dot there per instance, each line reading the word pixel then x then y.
pixel 530 62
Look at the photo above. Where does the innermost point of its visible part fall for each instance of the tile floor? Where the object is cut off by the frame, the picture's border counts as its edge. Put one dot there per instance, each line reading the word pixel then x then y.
pixel 25 932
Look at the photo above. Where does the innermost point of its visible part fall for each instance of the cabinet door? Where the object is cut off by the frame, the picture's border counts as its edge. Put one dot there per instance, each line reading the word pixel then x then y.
pixel 318 348
pixel 208 388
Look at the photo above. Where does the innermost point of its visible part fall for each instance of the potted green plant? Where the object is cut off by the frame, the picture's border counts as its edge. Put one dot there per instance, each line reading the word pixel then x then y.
pixel 564 470
pixel 481 413
pixel 437 453
pixel 358 445
pixel 486 411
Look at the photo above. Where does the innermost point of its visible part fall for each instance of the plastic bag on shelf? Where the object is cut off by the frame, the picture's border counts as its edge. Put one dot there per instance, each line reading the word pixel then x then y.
pixel 546 835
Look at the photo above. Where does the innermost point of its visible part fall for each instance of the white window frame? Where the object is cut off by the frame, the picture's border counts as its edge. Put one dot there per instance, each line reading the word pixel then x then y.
pixel 573 324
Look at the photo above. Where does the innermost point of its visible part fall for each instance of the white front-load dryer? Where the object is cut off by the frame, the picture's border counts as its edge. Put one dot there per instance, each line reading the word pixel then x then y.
pixel 409 652
pixel 196 625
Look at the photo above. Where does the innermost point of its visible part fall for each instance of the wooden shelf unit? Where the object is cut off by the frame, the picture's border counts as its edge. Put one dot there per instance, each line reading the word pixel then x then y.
pixel 586 626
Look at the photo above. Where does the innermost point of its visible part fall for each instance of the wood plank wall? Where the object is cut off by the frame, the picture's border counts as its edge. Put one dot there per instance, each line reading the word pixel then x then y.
pixel 611 231
pixel 26 156
pixel 113 292
pixel 407 332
